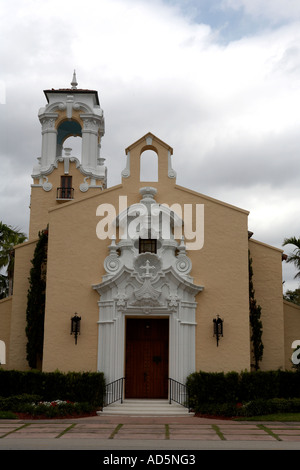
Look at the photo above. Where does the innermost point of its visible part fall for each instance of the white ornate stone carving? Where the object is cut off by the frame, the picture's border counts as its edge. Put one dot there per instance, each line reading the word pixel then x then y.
pixel 84 186
pixel 69 101
pixel 147 265
pixel 146 295
pixel 149 140
pixel 91 125
pixel 183 263
pixel 171 172
pixel 48 123
pixel 47 186
pixel 126 172
pixel 153 284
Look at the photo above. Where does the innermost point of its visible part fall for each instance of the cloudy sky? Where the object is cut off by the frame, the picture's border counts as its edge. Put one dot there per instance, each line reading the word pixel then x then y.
pixel 218 80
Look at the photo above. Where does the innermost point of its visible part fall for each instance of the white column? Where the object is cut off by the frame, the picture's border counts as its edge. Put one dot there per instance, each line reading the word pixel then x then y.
pixel 90 148
pixel 111 326
pixel 49 140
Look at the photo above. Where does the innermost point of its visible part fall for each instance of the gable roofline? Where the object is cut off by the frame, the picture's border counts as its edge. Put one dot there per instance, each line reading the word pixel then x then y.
pixel 86 198
pixel 154 138
pixel 209 198
pixel 176 187
pixel 266 245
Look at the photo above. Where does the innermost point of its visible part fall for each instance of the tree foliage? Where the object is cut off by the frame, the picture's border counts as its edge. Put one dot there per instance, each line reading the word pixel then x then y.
pixel 36 297
pixel 295 256
pixel 292 296
pixel 9 238
pixel 255 321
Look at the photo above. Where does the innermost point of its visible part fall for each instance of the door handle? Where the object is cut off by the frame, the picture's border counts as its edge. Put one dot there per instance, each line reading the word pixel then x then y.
pixel 156 359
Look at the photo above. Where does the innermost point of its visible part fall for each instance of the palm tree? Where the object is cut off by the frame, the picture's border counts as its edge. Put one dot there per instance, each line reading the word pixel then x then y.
pixel 9 238
pixel 295 257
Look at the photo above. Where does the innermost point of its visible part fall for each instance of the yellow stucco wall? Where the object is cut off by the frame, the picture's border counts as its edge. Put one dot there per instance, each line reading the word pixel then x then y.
pixel 291 330
pixel 221 267
pixel 76 259
pixel 75 263
pixel 41 201
pixel 267 280
pixel 17 351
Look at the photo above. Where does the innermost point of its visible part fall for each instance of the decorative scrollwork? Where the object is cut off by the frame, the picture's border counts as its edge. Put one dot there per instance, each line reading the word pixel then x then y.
pixel 183 264
pixel 46 185
pixel 111 264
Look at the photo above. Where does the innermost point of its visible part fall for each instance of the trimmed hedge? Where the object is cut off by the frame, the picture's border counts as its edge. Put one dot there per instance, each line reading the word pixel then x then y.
pixel 257 407
pixel 88 387
pixel 219 388
pixel 266 407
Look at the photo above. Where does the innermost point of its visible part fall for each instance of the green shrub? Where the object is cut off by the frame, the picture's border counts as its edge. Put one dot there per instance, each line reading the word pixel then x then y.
pixel 272 406
pixel 258 407
pixel 259 384
pixel 205 387
pixel 214 387
pixel 227 410
pixel 289 384
pixel 73 386
pixel 7 415
pixel 17 403
pixel 33 405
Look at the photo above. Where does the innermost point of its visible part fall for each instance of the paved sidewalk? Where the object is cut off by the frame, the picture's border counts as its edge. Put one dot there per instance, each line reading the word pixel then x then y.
pixel 124 428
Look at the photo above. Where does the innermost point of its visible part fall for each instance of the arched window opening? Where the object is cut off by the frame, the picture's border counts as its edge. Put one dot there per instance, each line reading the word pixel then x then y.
pixel 69 136
pixel 149 166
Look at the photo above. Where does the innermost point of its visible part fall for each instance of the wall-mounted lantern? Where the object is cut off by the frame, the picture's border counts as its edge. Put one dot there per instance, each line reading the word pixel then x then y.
pixel 75 326
pixel 218 328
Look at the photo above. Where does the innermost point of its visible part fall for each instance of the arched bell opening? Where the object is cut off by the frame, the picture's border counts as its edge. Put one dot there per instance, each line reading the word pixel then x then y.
pixel 149 166
pixel 67 136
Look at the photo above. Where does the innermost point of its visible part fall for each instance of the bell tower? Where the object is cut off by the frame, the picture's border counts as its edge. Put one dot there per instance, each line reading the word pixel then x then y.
pixel 60 176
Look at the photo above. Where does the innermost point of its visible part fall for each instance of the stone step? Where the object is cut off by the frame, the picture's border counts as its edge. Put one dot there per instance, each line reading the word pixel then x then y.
pixel 145 408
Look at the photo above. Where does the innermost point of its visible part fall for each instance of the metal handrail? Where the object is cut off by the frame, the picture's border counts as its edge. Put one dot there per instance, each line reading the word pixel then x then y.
pixel 114 391
pixel 178 392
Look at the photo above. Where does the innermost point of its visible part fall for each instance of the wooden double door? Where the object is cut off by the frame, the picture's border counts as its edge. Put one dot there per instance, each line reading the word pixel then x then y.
pixel 147 353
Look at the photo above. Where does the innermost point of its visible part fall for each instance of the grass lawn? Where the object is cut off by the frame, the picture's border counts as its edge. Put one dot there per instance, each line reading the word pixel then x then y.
pixel 273 417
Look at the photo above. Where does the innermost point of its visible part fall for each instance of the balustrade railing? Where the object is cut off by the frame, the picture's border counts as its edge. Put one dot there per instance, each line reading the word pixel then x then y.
pixel 178 392
pixel 114 391
pixel 65 193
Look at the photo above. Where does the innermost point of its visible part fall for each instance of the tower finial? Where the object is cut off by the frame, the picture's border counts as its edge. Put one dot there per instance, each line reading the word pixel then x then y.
pixel 74 81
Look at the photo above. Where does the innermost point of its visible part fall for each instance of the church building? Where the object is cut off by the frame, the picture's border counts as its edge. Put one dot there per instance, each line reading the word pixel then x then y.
pixel 145 280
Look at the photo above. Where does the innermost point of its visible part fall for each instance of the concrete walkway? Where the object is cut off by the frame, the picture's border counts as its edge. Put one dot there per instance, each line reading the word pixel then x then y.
pixel 125 432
